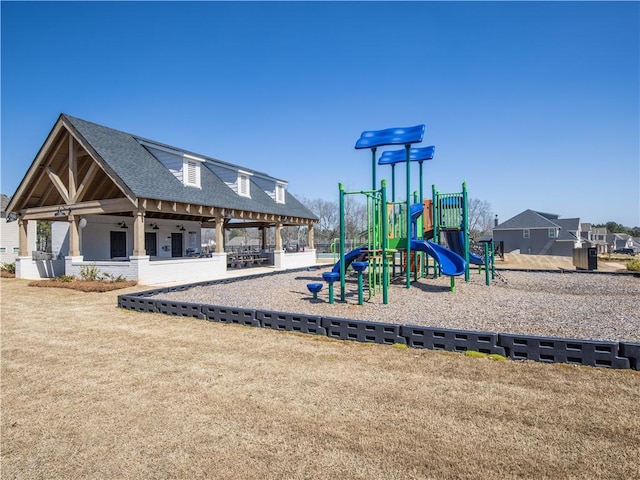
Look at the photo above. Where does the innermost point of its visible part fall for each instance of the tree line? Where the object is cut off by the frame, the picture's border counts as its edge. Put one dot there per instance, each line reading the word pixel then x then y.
pixel 614 227
pixel 328 213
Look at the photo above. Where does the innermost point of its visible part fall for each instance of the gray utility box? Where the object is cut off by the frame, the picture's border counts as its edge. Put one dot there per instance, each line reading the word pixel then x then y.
pixel 585 258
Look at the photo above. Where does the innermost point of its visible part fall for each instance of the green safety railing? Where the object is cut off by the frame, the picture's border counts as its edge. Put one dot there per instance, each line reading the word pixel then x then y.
pixel 450 210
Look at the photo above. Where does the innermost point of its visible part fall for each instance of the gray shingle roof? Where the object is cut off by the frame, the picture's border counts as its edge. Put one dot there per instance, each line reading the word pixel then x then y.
pixel 146 177
pixel 568 225
pixel 527 219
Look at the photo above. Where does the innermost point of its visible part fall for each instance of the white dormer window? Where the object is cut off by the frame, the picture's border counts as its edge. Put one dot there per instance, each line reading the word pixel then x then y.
pixel 279 192
pixel 191 170
pixel 244 187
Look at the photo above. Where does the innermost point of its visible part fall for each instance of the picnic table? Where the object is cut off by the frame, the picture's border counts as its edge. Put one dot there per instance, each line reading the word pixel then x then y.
pixel 245 259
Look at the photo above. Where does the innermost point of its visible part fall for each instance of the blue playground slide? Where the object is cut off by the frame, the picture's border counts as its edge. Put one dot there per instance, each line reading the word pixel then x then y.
pixel 416 211
pixel 451 263
pixel 349 258
pixel 455 239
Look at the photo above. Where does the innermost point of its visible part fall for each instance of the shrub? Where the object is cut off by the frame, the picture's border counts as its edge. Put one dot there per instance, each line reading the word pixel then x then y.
pixel 64 278
pixel 108 277
pixel 8 267
pixel 634 265
pixel 90 273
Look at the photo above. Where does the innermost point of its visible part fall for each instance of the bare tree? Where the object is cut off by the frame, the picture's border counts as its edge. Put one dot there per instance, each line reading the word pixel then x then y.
pixel 480 217
pixel 328 214
pixel 355 217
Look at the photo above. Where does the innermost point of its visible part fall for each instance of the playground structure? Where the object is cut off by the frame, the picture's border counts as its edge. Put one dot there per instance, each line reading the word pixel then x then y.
pixel 414 228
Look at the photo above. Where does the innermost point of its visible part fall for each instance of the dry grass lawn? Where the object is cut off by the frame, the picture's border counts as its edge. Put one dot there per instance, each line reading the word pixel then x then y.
pixel 89 391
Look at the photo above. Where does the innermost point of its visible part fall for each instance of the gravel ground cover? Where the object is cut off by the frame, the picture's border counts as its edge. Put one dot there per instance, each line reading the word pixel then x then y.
pixel 583 306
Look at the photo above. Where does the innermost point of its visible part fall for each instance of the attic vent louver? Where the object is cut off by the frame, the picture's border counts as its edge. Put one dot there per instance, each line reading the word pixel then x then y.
pixel 192 177
pixel 243 184
pixel 191 170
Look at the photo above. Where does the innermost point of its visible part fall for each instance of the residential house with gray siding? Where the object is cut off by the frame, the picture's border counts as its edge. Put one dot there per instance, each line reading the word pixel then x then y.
pixel 539 233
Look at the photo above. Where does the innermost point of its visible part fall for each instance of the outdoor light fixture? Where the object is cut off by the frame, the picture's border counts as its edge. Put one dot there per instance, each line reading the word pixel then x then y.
pixel 154 226
pixel 61 212
pixel 180 227
pixel 123 225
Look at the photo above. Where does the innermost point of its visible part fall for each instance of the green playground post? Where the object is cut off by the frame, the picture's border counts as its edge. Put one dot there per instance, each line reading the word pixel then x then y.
pixel 416 254
pixel 360 289
pixel 421 200
pixel 385 262
pixel 342 240
pixel 373 168
pixel 493 261
pixel 330 293
pixel 436 233
pixel 393 183
pixel 407 148
pixel 486 264
pixel 421 192
pixel 434 200
pixel 465 226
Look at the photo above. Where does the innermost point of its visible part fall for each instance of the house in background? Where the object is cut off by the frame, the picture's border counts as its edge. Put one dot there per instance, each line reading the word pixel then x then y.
pixel 594 237
pixel 538 233
pixel 137 207
pixel 9 235
pixel 616 241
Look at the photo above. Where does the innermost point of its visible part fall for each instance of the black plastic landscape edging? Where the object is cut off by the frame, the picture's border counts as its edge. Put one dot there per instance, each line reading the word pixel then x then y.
pixel 607 354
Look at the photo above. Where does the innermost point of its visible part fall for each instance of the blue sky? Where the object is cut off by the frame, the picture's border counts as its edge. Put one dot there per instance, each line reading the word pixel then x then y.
pixel 535 104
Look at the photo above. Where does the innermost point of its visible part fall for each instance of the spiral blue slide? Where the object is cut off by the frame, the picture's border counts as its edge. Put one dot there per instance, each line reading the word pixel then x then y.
pixel 451 264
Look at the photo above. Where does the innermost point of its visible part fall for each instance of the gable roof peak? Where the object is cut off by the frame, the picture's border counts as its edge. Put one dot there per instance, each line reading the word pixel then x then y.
pixel 526 220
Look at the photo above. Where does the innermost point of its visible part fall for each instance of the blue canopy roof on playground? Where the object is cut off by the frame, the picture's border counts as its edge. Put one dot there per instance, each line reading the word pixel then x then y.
pixel 399 156
pixel 390 136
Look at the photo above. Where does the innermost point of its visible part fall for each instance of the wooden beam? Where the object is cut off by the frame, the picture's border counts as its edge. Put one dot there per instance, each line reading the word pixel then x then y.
pixel 94 207
pixel 23 235
pixel 249 225
pixel 73 170
pixel 91 173
pixel 55 179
